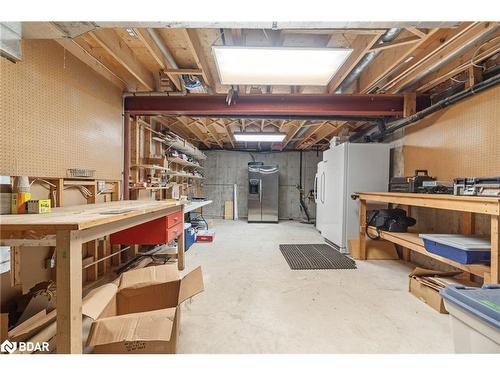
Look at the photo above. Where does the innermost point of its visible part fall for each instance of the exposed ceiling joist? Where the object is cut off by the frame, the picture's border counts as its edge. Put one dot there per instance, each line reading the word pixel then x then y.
pixel 111 42
pixel 361 46
pixel 294 129
pixel 395 43
pixel 194 45
pixel 194 130
pixel 392 59
pixel 416 32
pixel 213 132
pixel 227 128
pixel 82 54
pixel 155 52
pixel 312 132
pixel 427 64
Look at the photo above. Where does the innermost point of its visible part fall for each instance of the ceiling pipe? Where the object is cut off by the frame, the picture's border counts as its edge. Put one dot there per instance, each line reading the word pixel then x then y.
pixel 399 124
pixel 389 36
pixel 479 39
pixel 167 55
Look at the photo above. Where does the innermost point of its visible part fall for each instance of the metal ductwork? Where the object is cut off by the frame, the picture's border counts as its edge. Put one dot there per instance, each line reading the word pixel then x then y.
pixel 389 36
pixel 167 55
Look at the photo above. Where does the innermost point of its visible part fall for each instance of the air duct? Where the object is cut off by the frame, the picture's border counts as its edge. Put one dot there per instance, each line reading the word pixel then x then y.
pixel 167 55
pixel 389 36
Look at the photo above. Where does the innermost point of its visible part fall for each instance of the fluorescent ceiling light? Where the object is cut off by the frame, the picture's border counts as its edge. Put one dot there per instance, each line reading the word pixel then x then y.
pixel 259 137
pixel 278 65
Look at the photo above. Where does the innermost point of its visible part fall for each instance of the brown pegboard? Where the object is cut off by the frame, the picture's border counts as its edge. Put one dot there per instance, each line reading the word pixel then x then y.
pixel 57 113
pixel 460 141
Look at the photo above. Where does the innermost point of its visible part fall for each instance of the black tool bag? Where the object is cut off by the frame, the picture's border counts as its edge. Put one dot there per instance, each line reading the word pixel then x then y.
pixel 390 220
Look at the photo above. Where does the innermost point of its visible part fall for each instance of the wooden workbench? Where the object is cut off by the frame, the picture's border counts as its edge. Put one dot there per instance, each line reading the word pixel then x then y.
pixel 68 228
pixel 466 204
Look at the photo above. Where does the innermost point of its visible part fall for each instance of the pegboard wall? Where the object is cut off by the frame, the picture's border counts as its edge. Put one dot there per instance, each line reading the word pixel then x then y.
pixel 460 141
pixel 56 113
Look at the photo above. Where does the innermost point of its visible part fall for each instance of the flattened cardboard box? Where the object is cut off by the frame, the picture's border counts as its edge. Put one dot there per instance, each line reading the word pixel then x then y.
pixel 425 291
pixel 142 311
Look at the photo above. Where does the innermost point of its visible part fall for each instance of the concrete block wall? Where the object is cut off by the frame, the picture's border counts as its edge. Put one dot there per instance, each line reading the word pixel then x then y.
pixel 223 169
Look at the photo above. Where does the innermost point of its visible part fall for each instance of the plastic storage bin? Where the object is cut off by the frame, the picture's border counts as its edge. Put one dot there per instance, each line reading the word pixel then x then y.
pixel 189 236
pixel 475 317
pixel 460 248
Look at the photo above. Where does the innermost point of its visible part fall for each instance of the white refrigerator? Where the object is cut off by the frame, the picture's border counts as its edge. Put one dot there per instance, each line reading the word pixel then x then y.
pixel 345 169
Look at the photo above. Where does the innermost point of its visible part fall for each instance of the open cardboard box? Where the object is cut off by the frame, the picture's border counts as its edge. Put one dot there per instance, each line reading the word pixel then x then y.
pixel 140 313
pixel 426 285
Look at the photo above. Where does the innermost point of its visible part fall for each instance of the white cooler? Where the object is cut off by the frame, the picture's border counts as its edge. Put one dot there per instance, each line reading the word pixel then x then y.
pixel 475 317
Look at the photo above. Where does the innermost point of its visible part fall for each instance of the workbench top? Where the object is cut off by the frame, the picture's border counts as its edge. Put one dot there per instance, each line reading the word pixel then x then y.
pixel 85 216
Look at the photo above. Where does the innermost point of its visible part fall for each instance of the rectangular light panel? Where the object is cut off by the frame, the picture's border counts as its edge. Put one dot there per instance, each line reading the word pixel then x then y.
pixel 278 65
pixel 259 137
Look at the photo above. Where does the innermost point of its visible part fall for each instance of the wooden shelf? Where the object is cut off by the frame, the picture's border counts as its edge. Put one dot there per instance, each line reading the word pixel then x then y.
pixel 150 166
pixel 184 175
pixel 183 162
pixel 413 242
pixel 150 188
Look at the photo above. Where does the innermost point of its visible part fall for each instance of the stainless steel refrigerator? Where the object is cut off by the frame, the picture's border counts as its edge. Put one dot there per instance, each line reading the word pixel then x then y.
pixel 263 193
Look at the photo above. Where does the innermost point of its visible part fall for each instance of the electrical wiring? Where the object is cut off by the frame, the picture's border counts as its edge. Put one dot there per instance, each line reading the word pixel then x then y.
pixel 473 63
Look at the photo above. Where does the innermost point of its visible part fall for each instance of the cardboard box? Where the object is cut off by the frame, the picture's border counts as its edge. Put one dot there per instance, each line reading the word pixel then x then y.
pixel 140 313
pixel 427 284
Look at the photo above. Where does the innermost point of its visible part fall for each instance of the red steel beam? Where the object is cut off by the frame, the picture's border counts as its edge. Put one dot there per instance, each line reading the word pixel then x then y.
pixel 379 105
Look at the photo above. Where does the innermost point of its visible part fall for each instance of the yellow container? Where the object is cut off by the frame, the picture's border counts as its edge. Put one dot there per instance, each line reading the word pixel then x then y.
pixel 19 202
pixel 38 206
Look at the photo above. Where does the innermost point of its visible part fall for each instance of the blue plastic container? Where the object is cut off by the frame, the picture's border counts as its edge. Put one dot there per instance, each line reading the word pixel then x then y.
pixel 189 237
pixel 460 248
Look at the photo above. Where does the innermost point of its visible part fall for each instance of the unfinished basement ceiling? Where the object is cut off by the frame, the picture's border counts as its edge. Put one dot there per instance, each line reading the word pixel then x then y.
pixel 165 58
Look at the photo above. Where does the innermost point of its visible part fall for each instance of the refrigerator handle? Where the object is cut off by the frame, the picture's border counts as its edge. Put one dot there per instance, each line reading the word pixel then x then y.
pixel 323 188
pixel 315 188
pixel 260 190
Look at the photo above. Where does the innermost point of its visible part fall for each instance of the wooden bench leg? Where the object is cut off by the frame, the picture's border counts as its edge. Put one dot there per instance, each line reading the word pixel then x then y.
pixel 495 260
pixel 362 229
pixel 69 292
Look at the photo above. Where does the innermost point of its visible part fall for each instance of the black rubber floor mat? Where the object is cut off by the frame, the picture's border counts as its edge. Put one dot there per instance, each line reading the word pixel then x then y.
pixel 315 257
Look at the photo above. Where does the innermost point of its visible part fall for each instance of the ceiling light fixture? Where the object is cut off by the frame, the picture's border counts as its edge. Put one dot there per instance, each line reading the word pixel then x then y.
pixel 278 65
pixel 259 137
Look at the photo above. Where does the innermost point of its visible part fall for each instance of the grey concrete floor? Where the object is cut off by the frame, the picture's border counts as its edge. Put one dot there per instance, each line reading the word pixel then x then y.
pixel 254 303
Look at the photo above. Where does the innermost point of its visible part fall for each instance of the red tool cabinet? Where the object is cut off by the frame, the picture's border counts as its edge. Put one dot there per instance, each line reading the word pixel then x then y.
pixel 162 230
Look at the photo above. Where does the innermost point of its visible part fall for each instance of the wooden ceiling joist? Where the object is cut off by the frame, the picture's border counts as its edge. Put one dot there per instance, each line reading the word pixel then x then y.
pixel 427 62
pixel 361 46
pixel 294 129
pixel 194 45
pixel 111 42
pixel 155 52
pixel 395 43
pixel 194 130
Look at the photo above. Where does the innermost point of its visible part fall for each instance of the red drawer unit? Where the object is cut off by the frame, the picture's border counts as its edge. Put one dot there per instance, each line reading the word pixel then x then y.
pixel 162 230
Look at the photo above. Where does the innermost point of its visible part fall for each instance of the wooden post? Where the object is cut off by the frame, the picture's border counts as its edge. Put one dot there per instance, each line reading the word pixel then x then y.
pixel 495 259
pixel 69 292
pixel 362 229
pixel 475 75
pixel 468 223
pixel 406 253
pixel 410 104
pixel 180 245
